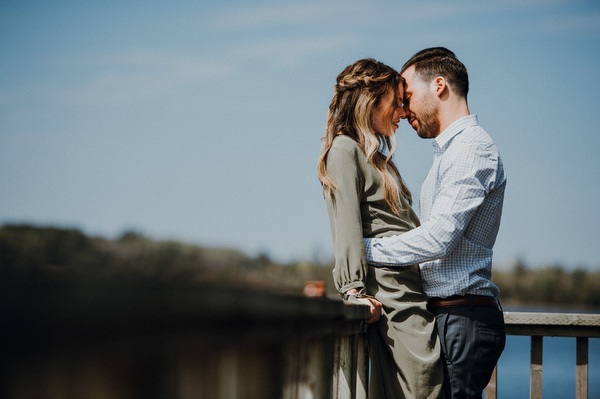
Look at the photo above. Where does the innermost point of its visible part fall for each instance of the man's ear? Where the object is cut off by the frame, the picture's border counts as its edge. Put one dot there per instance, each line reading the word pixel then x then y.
pixel 440 86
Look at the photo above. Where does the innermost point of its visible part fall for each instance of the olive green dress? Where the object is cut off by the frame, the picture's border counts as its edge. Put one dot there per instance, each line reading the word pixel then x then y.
pixel 404 348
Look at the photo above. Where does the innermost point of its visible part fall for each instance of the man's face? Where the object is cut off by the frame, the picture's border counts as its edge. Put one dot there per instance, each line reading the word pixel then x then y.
pixel 420 105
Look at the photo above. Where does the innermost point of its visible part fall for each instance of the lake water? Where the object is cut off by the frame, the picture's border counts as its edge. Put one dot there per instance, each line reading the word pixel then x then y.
pixel 558 377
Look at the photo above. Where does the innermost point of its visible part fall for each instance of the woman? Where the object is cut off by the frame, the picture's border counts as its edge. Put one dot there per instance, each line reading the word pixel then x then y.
pixel 367 198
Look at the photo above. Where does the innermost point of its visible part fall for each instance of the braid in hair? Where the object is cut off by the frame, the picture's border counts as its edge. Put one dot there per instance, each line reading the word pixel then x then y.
pixel 358 90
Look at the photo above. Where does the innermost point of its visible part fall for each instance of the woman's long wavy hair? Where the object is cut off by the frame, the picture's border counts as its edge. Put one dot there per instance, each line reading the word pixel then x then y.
pixel 358 91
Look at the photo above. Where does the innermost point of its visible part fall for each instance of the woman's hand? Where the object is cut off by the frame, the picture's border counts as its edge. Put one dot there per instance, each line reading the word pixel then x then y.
pixel 374 306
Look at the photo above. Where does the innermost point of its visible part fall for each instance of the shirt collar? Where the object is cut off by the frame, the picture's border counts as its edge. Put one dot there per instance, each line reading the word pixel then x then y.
pixel 455 128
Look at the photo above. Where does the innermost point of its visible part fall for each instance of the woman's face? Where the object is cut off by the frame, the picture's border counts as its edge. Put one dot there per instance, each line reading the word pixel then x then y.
pixel 387 115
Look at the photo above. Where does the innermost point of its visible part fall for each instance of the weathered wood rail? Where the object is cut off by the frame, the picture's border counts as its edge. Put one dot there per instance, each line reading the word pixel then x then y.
pixel 540 325
pixel 102 341
pixel 106 341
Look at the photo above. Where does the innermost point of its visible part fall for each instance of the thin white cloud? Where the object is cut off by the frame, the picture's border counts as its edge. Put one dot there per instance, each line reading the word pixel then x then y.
pixel 589 22
pixel 128 76
pixel 424 13
pixel 510 18
pixel 270 14
pixel 171 64
pixel 287 52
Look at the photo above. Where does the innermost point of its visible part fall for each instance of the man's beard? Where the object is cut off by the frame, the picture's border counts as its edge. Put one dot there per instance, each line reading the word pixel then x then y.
pixel 429 121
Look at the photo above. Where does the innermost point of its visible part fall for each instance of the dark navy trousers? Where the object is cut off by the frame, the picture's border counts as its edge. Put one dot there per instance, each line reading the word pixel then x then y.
pixel 472 340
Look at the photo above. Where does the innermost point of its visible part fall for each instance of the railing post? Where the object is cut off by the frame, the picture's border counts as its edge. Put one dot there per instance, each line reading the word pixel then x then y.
pixel 582 368
pixel 362 364
pixel 537 351
pixel 307 373
pixel 344 371
pixel 491 390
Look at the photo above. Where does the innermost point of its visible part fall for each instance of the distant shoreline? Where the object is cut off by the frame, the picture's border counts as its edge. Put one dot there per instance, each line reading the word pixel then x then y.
pixel 519 306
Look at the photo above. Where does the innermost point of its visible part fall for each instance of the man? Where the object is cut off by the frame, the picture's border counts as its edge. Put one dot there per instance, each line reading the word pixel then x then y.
pixel 460 205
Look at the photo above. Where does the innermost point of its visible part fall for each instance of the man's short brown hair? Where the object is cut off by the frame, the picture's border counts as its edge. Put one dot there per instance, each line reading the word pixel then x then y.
pixel 439 61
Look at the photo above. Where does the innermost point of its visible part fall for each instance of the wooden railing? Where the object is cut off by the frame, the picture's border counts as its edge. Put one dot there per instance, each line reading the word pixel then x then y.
pixel 350 378
pixel 109 341
pixel 540 325
pixel 131 342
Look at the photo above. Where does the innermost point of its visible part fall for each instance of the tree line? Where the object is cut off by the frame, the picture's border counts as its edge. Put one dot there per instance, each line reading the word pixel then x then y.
pixel 37 258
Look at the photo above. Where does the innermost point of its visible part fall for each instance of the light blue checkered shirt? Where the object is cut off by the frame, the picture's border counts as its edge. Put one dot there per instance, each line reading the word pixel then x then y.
pixel 460 205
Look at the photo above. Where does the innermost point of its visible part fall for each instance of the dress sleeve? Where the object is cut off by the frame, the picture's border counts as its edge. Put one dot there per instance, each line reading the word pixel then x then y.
pixel 343 167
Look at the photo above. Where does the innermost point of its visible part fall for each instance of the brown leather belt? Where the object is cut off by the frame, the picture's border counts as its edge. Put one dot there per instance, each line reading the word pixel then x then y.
pixel 456 301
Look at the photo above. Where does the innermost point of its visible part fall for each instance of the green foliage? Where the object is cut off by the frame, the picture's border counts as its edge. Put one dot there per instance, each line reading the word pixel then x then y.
pixel 52 258
pixel 552 285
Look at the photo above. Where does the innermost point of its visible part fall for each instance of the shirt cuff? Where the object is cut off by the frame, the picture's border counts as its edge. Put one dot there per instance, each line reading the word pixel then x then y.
pixel 375 255
pixel 359 285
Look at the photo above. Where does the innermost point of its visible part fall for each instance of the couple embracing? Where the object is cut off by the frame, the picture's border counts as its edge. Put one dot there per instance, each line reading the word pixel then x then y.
pixel 436 328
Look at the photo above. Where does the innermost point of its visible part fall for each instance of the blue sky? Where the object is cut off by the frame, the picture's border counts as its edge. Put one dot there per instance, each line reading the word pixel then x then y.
pixel 201 121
